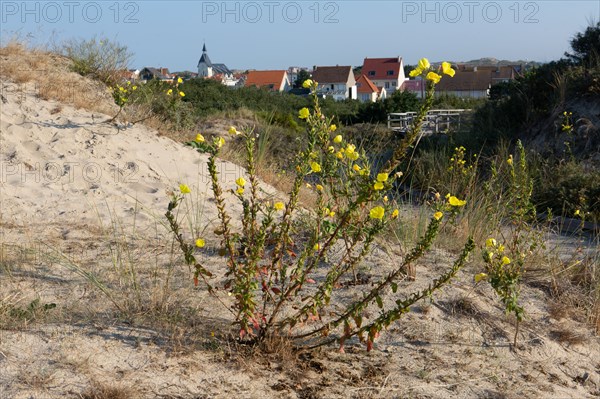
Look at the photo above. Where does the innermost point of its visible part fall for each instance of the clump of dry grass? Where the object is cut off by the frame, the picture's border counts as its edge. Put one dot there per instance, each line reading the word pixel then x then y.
pixel 106 390
pixel 48 74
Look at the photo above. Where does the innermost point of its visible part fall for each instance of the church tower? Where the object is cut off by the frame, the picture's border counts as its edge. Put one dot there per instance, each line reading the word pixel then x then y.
pixel 205 67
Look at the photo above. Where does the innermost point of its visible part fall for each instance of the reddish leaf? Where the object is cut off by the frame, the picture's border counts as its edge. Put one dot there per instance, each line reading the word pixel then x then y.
pixel 195 281
pixel 310 280
pixel 276 290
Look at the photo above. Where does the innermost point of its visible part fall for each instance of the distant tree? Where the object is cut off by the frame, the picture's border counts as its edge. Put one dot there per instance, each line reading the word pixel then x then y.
pixel 586 45
pixel 300 78
pixel 402 101
pixel 408 68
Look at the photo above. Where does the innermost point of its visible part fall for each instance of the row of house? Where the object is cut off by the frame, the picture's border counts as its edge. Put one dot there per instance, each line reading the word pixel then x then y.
pixel 377 79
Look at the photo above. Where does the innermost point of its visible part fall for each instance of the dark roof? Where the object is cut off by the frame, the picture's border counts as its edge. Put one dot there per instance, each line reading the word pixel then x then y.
pixel 221 68
pixel 332 74
pixel 466 81
pixel 155 73
pixel 382 68
pixel 204 59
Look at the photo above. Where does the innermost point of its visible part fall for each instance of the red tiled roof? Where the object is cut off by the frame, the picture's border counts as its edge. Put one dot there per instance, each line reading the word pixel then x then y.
pixel 382 68
pixel 270 79
pixel 365 85
pixel 332 74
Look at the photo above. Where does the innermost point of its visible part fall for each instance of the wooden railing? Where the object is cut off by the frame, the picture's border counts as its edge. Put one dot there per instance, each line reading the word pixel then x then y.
pixel 437 120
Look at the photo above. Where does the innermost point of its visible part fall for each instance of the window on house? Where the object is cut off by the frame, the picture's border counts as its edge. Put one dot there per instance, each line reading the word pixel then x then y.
pixel 394 83
pixel 332 87
pixel 371 73
pixel 390 73
pixel 387 85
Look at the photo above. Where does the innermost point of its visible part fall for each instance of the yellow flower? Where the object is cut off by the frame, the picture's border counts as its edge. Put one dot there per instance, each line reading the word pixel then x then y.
pixel 134 88
pixel 308 185
pixel 240 191
pixel 415 72
pixel 378 185
pixel 356 168
pixel 315 167
pixel 181 94
pixel 184 189
pixel 333 128
pixel 385 199
pixel 199 138
pixel 317 247
pixel 452 200
pixel 303 113
pixel 423 64
pixel 331 214
pixel 438 215
pixel 240 181
pixel 169 92
pixel 179 80
pixel 377 213
pixel 480 276
pixel 350 148
pixel 490 242
pixel 434 77
pixel 233 131
pixel 220 142
pixel 382 177
pixel 395 213
pixel 200 243
pixel 331 149
pixel 500 248
pixel 447 69
pixel 278 206
pixel 353 156
pixel 337 139
pixel 319 187
pixel 307 84
pixel 510 160
pixel 339 155
pixel 490 256
pixel 577 212
pixel 505 260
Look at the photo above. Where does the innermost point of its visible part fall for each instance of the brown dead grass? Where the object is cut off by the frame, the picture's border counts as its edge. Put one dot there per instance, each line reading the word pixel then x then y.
pixel 106 390
pixel 50 76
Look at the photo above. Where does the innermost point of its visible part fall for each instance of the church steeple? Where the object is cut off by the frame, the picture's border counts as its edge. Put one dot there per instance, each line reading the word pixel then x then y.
pixel 204 48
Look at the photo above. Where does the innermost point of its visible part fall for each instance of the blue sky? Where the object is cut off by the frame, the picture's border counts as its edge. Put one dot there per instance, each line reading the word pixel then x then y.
pixel 275 34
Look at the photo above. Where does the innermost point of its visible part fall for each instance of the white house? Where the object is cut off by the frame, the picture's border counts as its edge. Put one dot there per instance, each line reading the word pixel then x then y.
pixel 335 81
pixel 386 73
pixel 367 91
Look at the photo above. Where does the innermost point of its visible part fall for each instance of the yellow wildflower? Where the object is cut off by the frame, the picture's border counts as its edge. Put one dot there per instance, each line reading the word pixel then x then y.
pixel 279 206
pixel 395 213
pixel 199 138
pixel 240 181
pixel 415 72
pixel 452 200
pixel 333 128
pixel 447 69
pixel 505 260
pixel 169 92
pixel 480 276
pixel 356 168
pixel 181 94
pixel 134 88
pixel 317 247
pixel 340 155
pixel 424 64
pixel 509 161
pixel 184 189
pixel 337 139
pixel 577 212
pixel 179 80
pixel 240 191
pixel 377 213
pixel 434 77
pixel 319 187
pixel 353 156
pixel 233 131
pixel 382 177
pixel 385 199
pixel 315 167
pixel 220 142
pixel 378 185
pixel 331 149
pixel 307 84
pixel 303 113
pixel 490 242
pixel 200 243
pixel 438 215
